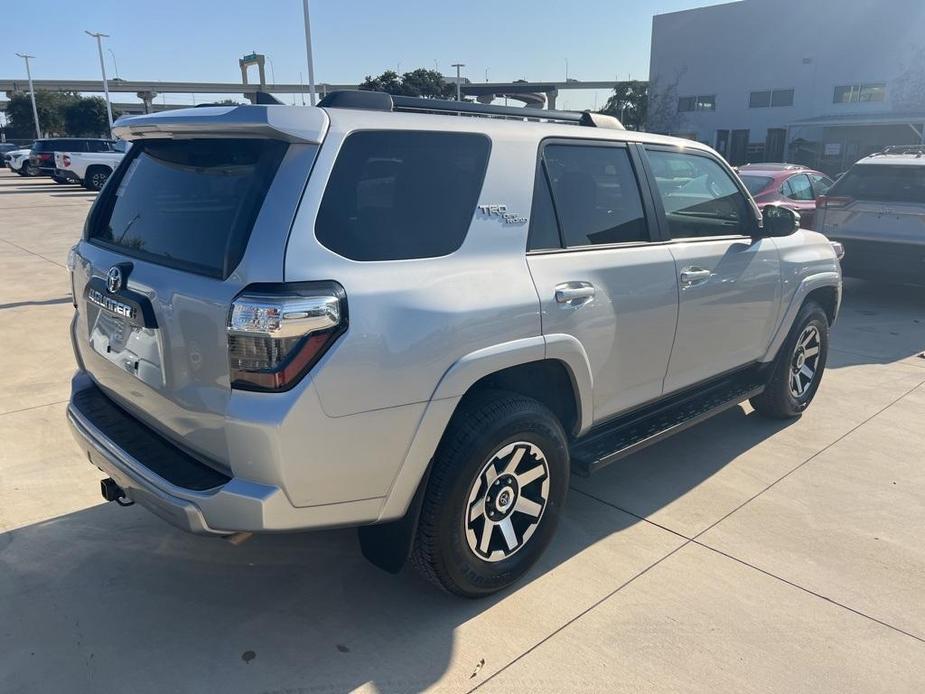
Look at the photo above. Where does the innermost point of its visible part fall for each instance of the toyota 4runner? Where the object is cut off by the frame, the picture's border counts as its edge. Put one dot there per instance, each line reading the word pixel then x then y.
pixel 419 317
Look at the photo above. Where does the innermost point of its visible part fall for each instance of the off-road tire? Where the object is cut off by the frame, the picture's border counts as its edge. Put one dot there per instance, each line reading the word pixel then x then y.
pixel 778 400
pixel 485 425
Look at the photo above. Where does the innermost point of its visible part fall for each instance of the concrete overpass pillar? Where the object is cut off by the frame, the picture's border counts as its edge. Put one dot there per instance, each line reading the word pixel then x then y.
pixel 551 98
pixel 148 99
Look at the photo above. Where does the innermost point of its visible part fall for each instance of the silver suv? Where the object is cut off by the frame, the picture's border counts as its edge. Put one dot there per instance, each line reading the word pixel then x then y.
pixel 877 212
pixel 419 317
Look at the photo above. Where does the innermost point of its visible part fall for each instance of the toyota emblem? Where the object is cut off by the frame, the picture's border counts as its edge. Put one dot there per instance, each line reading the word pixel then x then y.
pixel 114 279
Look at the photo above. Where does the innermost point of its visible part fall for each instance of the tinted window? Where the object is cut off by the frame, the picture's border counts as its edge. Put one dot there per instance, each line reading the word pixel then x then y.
pixel 798 188
pixel 99 146
pixel 188 203
pixel 596 195
pixel 60 145
pixel 544 230
pixel 400 194
pixel 882 183
pixel 756 184
pixel 704 201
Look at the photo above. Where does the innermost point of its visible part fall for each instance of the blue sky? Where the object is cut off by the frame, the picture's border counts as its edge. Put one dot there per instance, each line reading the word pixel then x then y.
pixel 201 40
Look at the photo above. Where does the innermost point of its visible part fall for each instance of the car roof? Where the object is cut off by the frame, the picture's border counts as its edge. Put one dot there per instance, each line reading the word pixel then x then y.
pixel 308 124
pixel 895 158
pixel 772 166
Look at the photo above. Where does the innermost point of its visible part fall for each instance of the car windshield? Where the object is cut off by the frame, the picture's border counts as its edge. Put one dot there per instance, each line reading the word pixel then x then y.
pixel 756 184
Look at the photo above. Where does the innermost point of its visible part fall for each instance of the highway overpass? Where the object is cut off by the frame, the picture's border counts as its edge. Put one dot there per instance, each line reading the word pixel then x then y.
pixel 528 92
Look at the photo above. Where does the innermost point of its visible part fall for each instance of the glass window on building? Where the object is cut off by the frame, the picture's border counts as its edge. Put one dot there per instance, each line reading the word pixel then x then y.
pixel 872 92
pixel 759 99
pixel 781 97
pixel 706 103
pixel 860 93
pixel 697 103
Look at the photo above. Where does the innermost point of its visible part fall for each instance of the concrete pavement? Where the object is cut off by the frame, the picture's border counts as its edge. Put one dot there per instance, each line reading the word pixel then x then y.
pixel 742 555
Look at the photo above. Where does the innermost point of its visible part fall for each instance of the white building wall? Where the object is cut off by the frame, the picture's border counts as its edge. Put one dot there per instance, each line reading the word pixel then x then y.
pixel 810 46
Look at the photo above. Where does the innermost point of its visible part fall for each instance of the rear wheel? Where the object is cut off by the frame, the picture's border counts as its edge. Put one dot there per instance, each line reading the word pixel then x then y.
pixel 497 486
pixel 797 371
pixel 96 178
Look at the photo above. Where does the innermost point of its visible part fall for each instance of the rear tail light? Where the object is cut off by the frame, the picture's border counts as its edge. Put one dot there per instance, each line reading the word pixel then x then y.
pixel 825 201
pixel 277 333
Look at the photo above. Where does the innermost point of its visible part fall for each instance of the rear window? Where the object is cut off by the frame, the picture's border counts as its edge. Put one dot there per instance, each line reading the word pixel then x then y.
pixel 62 145
pixel 402 194
pixel 756 184
pixel 188 204
pixel 882 183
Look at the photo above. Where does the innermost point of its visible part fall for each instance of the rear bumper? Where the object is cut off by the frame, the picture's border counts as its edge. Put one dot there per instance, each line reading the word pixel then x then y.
pixel 234 505
pixel 883 260
pixel 69 175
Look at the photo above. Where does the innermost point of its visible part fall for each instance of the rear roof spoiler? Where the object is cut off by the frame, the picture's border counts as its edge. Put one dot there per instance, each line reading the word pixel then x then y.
pixel 287 123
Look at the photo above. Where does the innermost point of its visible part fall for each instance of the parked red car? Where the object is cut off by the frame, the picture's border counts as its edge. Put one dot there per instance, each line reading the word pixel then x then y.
pixel 790 185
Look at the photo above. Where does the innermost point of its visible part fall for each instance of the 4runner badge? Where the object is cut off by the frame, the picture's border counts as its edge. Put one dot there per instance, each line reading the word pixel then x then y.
pixel 501 211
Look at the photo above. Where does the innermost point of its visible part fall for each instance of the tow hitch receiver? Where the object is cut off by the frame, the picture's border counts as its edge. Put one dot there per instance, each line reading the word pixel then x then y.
pixel 113 492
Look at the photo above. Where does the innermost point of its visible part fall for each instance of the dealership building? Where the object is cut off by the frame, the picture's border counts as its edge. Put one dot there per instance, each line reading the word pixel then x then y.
pixel 817 82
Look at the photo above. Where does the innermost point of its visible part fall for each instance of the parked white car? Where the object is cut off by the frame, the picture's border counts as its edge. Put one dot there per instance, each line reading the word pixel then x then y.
pixel 90 169
pixel 18 161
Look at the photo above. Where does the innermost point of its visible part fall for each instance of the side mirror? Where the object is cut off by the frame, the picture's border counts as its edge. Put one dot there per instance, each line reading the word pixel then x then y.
pixel 779 221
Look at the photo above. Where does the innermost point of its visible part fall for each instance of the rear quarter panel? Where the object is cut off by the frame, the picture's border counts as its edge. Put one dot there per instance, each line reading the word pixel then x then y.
pixel 411 320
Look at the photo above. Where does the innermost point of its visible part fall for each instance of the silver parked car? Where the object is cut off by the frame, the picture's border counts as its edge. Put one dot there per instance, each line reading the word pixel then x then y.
pixel 381 313
pixel 876 210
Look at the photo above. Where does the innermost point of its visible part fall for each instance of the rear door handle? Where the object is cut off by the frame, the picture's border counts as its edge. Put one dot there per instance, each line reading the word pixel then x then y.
pixel 694 275
pixel 574 293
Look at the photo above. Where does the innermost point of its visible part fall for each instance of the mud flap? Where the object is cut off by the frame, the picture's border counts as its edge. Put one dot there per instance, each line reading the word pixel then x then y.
pixel 388 545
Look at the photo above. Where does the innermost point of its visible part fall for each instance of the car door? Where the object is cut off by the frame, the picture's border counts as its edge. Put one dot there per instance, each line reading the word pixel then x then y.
pixel 600 271
pixel 730 284
pixel 798 191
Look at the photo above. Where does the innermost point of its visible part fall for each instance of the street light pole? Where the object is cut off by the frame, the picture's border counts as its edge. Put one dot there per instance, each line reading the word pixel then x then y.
pixel 99 46
pixel 458 80
pixel 308 52
pixel 115 65
pixel 35 111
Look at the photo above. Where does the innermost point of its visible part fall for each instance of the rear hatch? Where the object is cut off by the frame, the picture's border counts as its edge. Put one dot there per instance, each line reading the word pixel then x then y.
pixel 876 203
pixel 198 210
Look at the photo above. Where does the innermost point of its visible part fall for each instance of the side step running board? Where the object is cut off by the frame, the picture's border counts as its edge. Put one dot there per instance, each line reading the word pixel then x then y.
pixel 632 432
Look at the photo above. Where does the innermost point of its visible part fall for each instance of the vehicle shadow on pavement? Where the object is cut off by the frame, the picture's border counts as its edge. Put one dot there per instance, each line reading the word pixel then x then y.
pixel 109 596
pixel 878 324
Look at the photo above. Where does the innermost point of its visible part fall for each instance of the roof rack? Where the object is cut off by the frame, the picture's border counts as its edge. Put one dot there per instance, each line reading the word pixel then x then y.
pixel 917 150
pixel 381 101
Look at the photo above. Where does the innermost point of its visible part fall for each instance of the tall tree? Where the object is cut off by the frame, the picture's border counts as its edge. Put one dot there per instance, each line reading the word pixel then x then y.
pixel 629 102
pixel 421 82
pixel 662 114
pixel 87 117
pixel 388 81
pixel 51 107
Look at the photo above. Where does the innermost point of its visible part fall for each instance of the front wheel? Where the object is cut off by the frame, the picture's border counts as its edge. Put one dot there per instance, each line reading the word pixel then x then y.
pixel 797 371
pixel 496 489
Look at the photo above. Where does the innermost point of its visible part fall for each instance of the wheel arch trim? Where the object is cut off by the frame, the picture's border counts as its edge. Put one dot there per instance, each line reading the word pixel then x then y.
pixel 808 285
pixel 454 384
